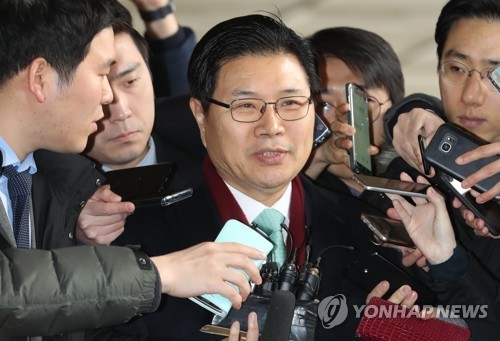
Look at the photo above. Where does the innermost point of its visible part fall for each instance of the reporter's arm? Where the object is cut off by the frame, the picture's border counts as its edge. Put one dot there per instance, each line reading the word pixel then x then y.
pixel 76 288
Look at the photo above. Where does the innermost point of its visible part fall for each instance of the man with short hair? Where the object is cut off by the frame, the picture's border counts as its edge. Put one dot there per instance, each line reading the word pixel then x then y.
pixel 53 82
pixel 251 80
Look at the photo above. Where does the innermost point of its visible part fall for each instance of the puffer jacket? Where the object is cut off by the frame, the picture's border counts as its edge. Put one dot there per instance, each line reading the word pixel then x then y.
pixel 61 289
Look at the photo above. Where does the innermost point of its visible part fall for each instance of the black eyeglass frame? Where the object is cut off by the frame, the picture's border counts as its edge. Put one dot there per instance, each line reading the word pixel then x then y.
pixel 263 109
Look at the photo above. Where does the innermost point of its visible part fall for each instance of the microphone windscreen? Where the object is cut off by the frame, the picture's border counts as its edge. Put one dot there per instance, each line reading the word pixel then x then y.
pixel 279 317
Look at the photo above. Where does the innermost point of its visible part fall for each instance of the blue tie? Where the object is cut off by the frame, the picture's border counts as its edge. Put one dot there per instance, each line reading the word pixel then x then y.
pixel 19 185
pixel 269 221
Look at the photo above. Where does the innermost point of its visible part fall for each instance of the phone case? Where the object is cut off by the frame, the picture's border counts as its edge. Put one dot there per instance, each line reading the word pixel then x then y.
pixel 321 131
pixel 141 183
pixel 371 269
pixel 358 118
pixel 488 211
pixel 385 185
pixel 388 230
pixel 451 141
pixel 234 231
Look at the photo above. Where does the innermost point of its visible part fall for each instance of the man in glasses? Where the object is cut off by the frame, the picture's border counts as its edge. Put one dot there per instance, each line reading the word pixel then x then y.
pixel 251 80
pixel 468 40
pixel 352 55
pixel 467 48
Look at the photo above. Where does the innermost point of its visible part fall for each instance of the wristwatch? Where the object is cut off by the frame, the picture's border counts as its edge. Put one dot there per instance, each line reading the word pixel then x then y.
pixel 159 13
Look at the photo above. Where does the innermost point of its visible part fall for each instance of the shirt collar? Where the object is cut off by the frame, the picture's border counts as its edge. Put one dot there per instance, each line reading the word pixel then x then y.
pixel 252 208
pixel 9 157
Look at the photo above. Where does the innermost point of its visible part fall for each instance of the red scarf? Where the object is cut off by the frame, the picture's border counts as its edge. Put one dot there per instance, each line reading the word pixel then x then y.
pixel 228 207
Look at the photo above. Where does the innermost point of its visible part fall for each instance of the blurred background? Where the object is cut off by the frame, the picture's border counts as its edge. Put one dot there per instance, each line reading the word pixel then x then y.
pixel 407 25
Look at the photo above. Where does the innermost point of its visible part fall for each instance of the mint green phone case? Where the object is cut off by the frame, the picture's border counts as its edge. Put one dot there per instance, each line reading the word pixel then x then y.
pixel 234 231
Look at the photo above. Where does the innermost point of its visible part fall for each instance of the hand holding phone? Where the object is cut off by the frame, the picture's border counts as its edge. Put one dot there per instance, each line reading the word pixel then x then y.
pixel 234 231
pixel 388 230
pixel 358 117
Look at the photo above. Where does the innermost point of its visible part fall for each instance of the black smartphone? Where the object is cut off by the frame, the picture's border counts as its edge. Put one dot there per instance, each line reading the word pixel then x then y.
pixel 141 185
pixel 488 211
pixel 451 141
pixel 385 185
pixel 427 168
pixel 321 131
pixel 388 230
pixel 358 117
pixel 371 269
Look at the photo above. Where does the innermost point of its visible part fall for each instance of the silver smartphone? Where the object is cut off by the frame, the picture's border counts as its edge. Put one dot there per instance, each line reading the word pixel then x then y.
pixel 358 118
pixel 494 77
pixel 384 185
pixel 321 131
pixel 388 230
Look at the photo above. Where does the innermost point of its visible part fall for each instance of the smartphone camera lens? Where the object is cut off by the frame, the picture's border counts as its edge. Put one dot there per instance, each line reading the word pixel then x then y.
pixel 445 147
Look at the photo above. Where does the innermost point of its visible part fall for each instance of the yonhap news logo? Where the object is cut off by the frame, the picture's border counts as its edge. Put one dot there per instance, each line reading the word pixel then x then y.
pixel 333 311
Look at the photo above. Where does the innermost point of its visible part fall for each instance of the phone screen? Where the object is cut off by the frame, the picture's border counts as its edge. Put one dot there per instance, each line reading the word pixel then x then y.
pixel 359 119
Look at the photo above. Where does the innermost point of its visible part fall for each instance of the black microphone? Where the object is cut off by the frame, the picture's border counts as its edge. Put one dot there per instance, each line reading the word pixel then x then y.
pixel 310 285
pixel 279 317
pixel 288 275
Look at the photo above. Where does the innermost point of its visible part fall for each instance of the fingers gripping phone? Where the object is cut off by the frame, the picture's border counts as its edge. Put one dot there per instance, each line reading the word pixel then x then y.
pixel 388 230
pixel 371 269
pixel 358 117
pixel 451 141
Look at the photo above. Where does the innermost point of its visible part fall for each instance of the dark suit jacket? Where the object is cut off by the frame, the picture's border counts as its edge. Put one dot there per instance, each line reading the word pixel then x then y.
pixel 333 219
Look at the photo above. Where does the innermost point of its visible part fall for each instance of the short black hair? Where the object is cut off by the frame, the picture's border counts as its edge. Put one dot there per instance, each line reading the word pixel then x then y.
pixel 252 35
pixel 455 10
pixel 366 54
pixel 58 30
pixel 122 23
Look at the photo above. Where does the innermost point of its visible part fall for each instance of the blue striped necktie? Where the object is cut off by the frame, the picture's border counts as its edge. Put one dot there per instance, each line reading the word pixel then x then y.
pixel 269 221
pixel 19 186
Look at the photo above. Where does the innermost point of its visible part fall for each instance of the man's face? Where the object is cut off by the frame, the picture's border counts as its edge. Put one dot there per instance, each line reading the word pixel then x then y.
pixel 122 139
pixel 259 158
pixel 334 74
pixel 475 43
pixel 75 108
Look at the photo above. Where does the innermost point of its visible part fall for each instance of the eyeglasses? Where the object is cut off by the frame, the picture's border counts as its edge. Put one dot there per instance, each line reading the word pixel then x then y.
pixel 248 110
pixel 456 73
pixel 374 108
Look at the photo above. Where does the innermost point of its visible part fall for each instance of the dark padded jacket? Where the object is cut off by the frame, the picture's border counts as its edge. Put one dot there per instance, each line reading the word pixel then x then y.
pixel 59 289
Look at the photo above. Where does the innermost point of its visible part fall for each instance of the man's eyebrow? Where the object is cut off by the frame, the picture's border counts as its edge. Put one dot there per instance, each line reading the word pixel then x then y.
pixel 122 73
pixel 456 54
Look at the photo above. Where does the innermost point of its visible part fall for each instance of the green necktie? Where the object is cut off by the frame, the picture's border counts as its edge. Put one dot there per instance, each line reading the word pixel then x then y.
pixel 269 221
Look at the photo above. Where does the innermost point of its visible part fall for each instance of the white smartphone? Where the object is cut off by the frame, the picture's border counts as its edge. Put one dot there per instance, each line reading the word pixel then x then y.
pixel 384 185
pixel 358 118
pixel 234 231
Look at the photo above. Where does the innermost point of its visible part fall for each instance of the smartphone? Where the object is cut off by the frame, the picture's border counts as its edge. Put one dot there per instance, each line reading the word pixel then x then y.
pixel 371 269
pixel 488 211
pixel 385 185
pixel 388 230
pixel 358 117
pixel 427 167
pixel 140 184
pixel 494 77
pixel 234 231
pixel 321 131
pixel 451 141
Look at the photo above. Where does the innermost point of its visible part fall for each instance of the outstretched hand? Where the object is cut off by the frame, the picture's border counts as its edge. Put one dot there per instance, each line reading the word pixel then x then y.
pixel 209 268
